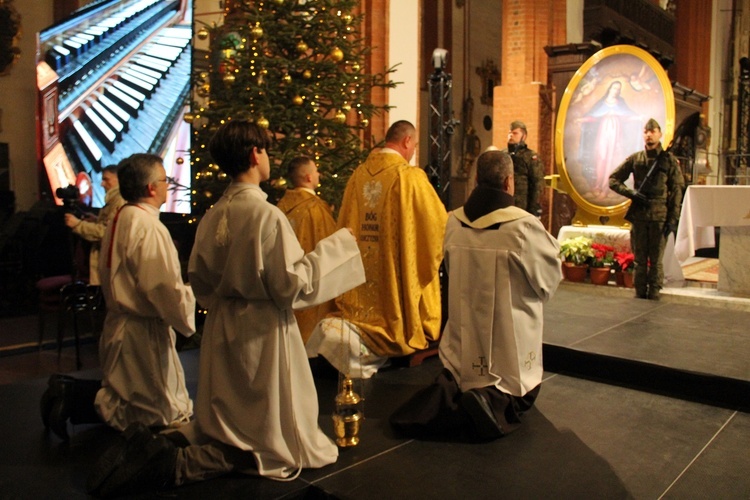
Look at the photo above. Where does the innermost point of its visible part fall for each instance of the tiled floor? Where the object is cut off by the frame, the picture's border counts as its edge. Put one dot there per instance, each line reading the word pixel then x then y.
pixel 583 439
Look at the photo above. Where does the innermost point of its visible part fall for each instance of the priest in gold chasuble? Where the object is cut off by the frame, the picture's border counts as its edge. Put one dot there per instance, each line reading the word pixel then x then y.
pixel 399 222
pixel 311 218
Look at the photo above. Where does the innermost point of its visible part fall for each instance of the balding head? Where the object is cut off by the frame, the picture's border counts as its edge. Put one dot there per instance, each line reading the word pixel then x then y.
pixel 402 137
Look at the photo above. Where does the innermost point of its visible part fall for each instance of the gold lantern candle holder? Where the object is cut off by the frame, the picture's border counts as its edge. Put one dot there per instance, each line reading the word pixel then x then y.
pixel 348 415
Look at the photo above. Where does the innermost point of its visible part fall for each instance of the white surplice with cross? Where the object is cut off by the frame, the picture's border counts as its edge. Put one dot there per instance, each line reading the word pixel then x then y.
pixel 499 279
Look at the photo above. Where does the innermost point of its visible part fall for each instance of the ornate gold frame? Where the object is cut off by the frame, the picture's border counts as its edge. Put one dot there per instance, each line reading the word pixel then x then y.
pixel 590 213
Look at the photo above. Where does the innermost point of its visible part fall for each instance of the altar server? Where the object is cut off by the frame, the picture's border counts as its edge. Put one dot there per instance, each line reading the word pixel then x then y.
pixel 257 407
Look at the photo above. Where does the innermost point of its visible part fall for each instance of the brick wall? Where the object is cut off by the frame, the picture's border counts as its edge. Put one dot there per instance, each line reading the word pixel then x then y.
pixel 375 31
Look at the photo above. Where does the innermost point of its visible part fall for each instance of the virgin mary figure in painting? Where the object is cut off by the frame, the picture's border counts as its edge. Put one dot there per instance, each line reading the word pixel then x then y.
pixel 609 132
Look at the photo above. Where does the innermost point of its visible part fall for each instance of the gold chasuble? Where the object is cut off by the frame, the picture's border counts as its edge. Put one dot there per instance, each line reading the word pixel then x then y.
pixel 399 222
pixel 312 221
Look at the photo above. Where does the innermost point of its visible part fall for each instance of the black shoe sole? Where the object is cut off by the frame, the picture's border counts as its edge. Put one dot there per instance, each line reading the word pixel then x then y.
pixel 135 435
pixel 53 392
pixel 485 424
pixel 148 466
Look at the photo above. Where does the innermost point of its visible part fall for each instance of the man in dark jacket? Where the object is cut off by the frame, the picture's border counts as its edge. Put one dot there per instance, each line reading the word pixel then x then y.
pixel 528 170
pixel 655 209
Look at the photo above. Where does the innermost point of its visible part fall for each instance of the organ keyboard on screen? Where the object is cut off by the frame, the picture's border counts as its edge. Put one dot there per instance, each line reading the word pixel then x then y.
pixel 114 79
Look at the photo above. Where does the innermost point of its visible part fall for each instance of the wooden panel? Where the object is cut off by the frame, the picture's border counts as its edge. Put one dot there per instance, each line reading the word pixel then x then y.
pixel 693 53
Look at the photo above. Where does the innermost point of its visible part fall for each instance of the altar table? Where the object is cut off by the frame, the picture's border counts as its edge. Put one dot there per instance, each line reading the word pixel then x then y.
pixel 728 207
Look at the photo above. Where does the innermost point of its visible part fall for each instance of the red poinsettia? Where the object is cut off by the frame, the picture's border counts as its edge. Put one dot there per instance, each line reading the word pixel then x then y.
pixel 603 255
pixel 624 261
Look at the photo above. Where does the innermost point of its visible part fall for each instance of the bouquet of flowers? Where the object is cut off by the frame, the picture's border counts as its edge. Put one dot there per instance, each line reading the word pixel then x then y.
pixel 623 261
pixel 577 251
pixel 604 255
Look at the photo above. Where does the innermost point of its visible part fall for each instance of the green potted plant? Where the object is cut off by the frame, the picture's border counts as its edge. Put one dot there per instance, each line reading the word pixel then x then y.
pixel 575 253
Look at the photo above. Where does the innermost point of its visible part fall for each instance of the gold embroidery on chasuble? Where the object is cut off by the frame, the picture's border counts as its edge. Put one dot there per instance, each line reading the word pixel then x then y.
pixel 400 223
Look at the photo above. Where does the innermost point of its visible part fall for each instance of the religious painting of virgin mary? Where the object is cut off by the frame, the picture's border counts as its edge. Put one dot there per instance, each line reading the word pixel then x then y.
pixel 602 114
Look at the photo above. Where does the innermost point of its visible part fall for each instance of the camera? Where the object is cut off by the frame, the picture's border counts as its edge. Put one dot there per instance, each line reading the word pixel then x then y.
pixel 69 196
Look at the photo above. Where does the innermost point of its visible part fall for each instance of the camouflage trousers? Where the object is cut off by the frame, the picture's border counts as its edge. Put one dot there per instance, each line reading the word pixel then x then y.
pixel 647 241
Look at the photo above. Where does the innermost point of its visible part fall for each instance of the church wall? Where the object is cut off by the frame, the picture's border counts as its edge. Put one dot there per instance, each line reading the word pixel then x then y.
pixel 474 65
pixel 693 53
pixel 403 49
pixel 376 31
pixel 17 105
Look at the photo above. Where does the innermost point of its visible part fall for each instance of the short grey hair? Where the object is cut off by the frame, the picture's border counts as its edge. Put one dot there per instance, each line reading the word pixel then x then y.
pixel 135 173
pixel 493 167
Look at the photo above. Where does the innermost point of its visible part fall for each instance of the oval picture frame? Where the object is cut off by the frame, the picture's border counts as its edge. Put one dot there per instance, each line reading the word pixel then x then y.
pixel 600 122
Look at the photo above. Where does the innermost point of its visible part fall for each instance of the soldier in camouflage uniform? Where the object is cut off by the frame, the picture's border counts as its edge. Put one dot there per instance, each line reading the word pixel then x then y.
pixel 528 171
pixel 655 207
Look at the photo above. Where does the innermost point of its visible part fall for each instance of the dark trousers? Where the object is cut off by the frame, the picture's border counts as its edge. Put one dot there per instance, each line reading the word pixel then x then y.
pixel 435 412
pixel 647 241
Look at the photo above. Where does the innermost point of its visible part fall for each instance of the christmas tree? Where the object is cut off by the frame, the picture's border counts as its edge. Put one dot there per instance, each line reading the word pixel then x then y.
pixel 296 68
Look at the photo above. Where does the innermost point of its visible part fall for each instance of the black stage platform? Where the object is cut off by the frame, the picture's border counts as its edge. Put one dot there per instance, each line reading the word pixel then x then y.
pixel 625 417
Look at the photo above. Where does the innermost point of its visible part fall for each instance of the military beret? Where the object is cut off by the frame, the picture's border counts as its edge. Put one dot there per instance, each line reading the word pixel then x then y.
pixel 651 124
pixel 518 124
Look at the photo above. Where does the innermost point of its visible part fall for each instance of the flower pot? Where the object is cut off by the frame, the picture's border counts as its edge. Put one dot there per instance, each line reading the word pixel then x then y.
pixel 624 278
pixel 575 273
pixel 599 275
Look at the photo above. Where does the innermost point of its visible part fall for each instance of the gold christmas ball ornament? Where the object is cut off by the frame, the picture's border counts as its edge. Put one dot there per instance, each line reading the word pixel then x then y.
pixel 287 78
pixel 297 100
pixel 278 183
pixel 337 54
pixel 307 74
pixel 302 47
pixel 204 75
pixel 346 107
pixel 204 90
pixel 202 33
pixel 229 78
pixel 256 31
pixel 340 116
pixel 364 122
pixel 179 161
pixel 356 67
pixel 188 117
pixel 278 2
pixel 262 122
pixel 347 18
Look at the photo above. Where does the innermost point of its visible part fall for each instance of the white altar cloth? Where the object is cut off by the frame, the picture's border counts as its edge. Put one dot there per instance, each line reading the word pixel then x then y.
pixel 705 207
pixel 728 207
